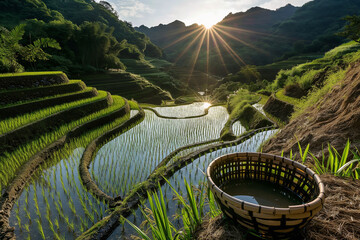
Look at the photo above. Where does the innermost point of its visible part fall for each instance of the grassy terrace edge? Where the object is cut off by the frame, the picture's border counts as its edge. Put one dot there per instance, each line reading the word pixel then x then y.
pixel 24 153
pixel 8 125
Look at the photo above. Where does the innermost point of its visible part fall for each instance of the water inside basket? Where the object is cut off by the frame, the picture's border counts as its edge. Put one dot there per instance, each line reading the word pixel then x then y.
pixel 262 193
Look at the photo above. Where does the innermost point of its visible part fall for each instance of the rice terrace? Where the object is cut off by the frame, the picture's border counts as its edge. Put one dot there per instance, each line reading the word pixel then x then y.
pixel 168 120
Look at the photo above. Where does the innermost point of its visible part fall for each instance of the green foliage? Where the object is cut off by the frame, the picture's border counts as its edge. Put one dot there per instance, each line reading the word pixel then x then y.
pixel 10 49
pixel 248 77
pixel 221 93
pixel 214 210
pixel 192 214
pixel 97 46
pixel 320 73
pixel 237 102
pixel 338 165
pixel 281 96
pixel 352 29
pixel 247 74
pixel 316 94
pixel 92 37
pixel 160 225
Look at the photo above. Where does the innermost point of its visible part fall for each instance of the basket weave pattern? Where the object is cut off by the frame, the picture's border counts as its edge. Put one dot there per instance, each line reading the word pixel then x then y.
pixel 265 220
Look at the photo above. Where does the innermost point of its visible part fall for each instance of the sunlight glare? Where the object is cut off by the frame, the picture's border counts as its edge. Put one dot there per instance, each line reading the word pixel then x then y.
pixel 206 105
pixel 207 21
pixel 208 25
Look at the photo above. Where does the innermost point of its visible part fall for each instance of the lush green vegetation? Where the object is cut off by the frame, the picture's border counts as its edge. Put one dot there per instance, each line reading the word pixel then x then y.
pixel 90 35
pixel 192 214
pixel 315 78
pixel 237 106
pixel 155 74
pixel 10 49
pixel 16 122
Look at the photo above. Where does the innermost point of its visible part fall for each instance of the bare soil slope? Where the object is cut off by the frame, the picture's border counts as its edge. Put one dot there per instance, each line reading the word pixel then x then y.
pixel 334 120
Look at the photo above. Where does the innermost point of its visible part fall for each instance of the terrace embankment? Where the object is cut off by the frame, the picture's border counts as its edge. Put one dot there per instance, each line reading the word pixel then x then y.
pixel 280 109
pixel 21 95
pixel 13 191
pixel 22 108
pixel 91 150
pixel 128 85
pixel 339 219
pixel 249 117
pixel 334 120
pixel 30 131
pixel 12 81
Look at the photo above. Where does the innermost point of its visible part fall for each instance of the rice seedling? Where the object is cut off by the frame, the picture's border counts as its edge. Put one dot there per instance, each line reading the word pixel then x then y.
pixel 152 140
pixel 61 180
pixel 40 228
pixel 16 122
pixel 12 161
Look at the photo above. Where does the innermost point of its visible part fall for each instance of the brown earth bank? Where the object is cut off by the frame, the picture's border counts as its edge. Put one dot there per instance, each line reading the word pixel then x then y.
pixel 334 120
pixel 280 109
pixel 339 219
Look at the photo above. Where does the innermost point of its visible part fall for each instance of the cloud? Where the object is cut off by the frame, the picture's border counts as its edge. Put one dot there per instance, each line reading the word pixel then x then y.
pixel 131 8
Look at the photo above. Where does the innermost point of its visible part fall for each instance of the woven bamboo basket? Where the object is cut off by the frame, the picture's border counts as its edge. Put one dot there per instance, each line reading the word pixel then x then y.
pixel 267 221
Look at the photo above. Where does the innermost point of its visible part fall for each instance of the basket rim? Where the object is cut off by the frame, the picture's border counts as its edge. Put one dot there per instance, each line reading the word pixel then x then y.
pixel 314 204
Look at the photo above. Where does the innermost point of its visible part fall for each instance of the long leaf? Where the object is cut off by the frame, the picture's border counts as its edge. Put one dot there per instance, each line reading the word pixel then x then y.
pixel 345 153
pixel 138 230
pixel 347 165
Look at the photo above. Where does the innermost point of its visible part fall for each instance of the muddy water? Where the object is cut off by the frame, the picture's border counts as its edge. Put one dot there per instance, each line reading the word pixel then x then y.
pixel 262 193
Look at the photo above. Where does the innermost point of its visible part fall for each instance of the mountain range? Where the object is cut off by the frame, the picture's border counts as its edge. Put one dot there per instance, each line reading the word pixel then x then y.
pixel 258 36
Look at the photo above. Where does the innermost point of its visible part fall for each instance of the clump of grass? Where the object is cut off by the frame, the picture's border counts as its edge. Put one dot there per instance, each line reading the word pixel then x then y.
pixel 160 225
pixel 316 94
pixel 338 165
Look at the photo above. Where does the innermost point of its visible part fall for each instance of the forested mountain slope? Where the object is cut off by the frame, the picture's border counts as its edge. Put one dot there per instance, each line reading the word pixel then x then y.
pixel 258 36
pixel 90 34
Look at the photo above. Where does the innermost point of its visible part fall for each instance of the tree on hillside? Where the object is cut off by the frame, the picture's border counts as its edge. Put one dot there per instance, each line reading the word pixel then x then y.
pixel 11 49
pixel 98 47
pixel 352 29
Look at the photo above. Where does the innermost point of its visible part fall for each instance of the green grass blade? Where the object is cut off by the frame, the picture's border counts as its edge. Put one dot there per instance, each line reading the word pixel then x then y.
pixel 345 153
pixel 138 230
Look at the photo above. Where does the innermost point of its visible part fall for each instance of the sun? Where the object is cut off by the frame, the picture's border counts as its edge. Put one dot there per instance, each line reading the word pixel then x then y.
pixel 207 21
pixel 208 25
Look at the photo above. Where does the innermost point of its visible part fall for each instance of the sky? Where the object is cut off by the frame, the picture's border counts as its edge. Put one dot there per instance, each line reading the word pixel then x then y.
pixel 208 12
